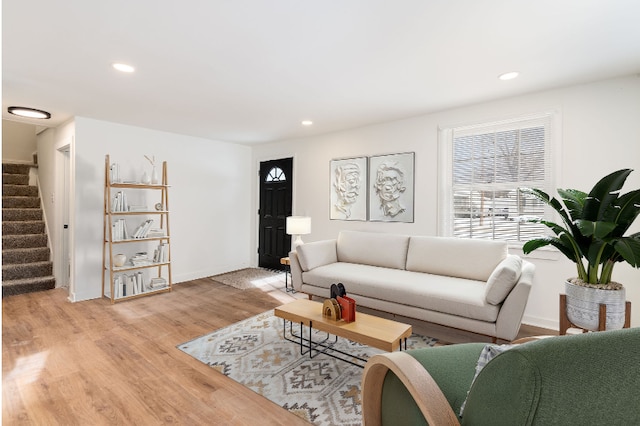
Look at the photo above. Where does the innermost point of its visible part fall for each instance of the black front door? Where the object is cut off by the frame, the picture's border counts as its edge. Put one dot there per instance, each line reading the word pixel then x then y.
pixel 275 206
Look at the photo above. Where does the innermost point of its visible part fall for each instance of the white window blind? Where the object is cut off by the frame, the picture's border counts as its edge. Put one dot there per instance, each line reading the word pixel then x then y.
pixel 486 166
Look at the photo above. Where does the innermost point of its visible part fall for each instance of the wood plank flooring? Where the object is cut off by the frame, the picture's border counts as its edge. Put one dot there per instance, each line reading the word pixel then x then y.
pixel 93 363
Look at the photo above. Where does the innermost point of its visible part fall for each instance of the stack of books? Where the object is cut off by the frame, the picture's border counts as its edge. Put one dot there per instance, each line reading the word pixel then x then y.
pixel 120 203
pixel 143 230
pixel 161 254
pixel 119 230
pixel 129 284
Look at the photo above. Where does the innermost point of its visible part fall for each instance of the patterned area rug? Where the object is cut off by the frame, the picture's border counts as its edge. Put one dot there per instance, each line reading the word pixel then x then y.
pixel 249 278
pixel 253 352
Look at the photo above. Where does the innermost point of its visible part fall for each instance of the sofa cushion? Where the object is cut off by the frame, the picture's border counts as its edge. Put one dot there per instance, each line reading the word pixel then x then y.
pixel 312 255
pixel 455 296
pixel 455 257
pixel 368 248
pixel 503 279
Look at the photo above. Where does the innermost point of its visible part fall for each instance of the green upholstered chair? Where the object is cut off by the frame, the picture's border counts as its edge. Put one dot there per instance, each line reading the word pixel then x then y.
pixel 585 379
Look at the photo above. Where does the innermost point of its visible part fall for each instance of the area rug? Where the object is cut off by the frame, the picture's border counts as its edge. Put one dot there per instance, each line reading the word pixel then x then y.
pixel 250 278
pixel 323 390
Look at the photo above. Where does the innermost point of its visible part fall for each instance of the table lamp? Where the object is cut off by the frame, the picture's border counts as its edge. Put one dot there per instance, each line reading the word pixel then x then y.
pixel 298 226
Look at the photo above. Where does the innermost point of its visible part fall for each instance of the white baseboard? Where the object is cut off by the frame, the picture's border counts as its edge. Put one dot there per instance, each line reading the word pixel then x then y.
pixel 541 322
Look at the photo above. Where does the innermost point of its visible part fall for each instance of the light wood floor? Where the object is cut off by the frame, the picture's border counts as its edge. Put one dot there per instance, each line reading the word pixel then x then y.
pixel 93 363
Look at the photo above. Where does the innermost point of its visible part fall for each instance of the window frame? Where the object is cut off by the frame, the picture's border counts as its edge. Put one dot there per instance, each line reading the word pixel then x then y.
pixel 445 189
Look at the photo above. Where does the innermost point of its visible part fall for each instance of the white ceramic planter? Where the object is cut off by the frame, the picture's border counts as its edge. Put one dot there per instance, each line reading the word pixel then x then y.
pixel 583 306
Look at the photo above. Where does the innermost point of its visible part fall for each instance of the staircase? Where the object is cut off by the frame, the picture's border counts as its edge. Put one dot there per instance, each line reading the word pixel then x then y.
pixel 26 264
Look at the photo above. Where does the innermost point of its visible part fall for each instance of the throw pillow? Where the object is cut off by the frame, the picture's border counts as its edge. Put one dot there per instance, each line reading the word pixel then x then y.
pixel 488 353
pixel 319 253
pixel 503 279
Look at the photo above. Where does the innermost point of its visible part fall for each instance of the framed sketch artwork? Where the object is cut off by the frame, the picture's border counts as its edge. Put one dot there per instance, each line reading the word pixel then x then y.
pixel 349 189
pixel 391 186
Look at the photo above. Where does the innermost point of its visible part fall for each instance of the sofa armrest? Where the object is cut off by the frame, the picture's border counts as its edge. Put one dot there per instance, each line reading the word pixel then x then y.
pixel 425 391
pixel 296 271
pixel 512 310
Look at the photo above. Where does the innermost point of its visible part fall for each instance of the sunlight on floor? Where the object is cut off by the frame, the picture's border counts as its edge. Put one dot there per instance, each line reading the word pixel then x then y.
pixel 28 368
pixel 275 287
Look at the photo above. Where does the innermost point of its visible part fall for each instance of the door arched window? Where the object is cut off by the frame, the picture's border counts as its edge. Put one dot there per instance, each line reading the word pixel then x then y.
pixel 276 174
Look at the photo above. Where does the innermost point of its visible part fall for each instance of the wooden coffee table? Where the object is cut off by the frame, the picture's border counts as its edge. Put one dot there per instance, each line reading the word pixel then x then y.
pixel 370 330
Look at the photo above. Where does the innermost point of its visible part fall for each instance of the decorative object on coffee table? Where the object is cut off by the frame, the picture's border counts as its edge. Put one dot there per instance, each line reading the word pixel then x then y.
pixel 593 231
pixel 369 330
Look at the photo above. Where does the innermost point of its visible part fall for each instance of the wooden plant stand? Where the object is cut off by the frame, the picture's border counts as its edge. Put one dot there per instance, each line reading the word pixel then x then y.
pixel 565 324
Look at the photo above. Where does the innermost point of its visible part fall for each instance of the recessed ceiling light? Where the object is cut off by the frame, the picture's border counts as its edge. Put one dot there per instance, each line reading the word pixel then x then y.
pixel 123 67
pixel 509 75
pixel 307 122
pixel 28 112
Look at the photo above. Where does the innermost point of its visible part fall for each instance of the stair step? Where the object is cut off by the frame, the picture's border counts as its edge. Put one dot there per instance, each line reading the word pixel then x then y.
pixel 21 202
pixel 27 270
pixel 28 285
pixel 25 255
pixel 24 241
pixel 21 227
pixel 16 169
pixel 19 190
pixel 13 179
pixel 21 214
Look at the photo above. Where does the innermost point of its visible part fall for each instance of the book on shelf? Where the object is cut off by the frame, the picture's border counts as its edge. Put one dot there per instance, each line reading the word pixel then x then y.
pixel 143 229
pixel 156 233
pixel 115 173
pixel 129 284
pixel 120 202
pixel 157 283
pixel 161 253
pixel 119 230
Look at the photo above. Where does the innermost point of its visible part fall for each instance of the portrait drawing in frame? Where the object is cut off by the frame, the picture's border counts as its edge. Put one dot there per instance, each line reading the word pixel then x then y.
pixel 348 189
pixel 391 187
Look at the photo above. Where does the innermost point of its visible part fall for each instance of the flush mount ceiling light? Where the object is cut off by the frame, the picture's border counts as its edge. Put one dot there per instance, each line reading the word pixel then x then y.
pixel 307 122
pixel 123 67
pixel 28 112
pixel 508 75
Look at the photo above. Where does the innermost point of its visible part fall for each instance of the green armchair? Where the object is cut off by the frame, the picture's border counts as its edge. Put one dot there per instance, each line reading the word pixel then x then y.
pixel 585 379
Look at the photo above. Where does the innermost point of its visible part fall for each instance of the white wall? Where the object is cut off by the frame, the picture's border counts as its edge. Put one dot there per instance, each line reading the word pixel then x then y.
pixel 50 173
pixel 600 134
pixel 18 142
pixel 209 198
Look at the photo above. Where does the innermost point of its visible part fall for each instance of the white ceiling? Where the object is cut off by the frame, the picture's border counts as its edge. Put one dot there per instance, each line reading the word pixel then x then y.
pixel 249 71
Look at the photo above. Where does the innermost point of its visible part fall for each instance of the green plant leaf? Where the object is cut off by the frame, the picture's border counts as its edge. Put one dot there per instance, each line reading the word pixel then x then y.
pixel 574 201
pixel 629 249
pixel 603 194
pixel 597 230
pixel 627 209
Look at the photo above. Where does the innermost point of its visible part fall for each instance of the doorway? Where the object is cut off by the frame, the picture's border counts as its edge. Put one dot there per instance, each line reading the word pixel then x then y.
pixel 276 189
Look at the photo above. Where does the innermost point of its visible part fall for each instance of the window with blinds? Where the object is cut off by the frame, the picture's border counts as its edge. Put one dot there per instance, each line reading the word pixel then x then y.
pixel 487 166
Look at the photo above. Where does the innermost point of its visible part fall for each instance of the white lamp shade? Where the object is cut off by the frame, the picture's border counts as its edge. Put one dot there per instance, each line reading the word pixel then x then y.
pixel 298 225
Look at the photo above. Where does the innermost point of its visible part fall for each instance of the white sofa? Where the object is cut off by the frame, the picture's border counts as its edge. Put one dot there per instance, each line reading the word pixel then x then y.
pixel 468 284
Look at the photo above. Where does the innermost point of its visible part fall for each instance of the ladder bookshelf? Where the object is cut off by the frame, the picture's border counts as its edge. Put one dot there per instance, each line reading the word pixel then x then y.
pixel 130 231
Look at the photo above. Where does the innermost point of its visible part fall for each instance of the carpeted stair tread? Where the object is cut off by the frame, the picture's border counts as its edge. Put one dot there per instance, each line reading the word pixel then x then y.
pixel 28 285
pixel 20 227
pixel 17 169
pixel 21 214
pixel 20 202
pixel 27 270
pixel 15 179
pixel 19 191
pixel 24 241
pixel 25 255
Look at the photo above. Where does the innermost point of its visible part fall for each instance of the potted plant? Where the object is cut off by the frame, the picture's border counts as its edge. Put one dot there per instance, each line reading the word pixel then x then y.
pixel 593 238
